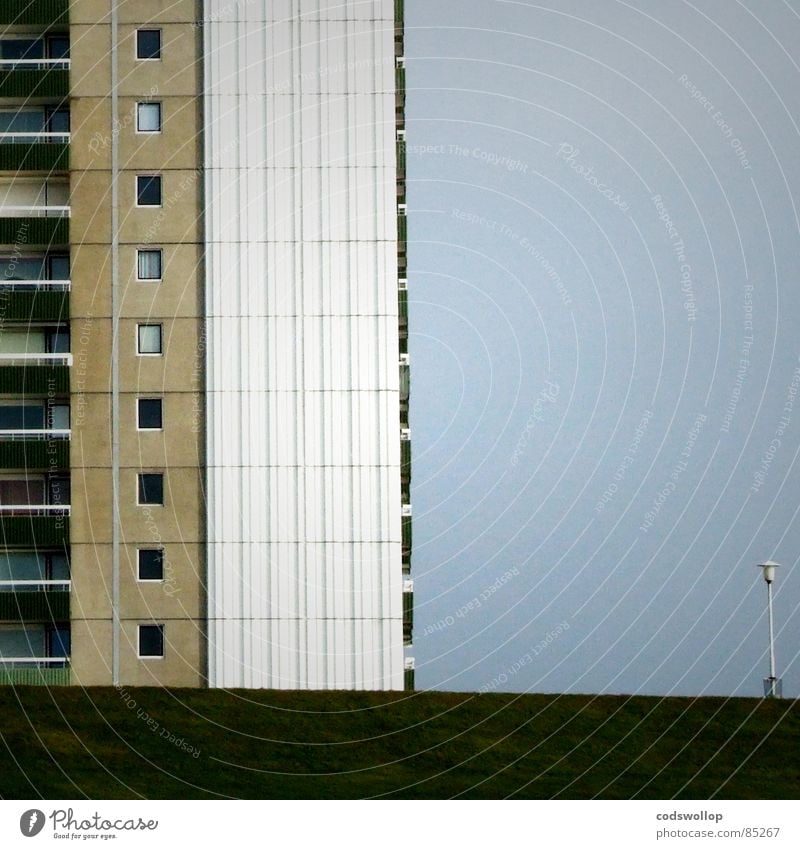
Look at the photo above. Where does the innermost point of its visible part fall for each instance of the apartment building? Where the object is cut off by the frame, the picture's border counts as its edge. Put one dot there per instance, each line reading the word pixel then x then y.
pixel 204 378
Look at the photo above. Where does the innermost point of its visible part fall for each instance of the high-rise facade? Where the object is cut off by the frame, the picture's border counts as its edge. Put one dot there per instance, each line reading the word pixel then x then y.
pixel 203 344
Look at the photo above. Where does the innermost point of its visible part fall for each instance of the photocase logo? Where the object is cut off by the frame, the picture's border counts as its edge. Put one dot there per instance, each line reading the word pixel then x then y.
pixel 31 822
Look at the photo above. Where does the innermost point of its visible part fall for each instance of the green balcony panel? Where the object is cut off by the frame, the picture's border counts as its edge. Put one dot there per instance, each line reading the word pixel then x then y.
pixel 408 617
pixel 34 531
pixel 34 305
pixel 400 82
pixel 39 454
pixel 34 380
pixel 407 532
pixel 39 156
pixel 399 11
pixel 408 679
pixel 402 305
pixel 38 12
pixel 401 158
pixel 402 229
pixel 52 677
pixel 34 231
pixel 405 459
pixel 52 82
pixel 34 606
pixel 405 382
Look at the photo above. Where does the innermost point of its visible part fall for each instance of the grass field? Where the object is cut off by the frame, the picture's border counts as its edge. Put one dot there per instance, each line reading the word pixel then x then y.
pixel 153 743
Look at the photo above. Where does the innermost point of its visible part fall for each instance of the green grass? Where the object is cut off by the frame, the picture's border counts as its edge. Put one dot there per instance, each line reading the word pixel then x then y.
pixel 100 743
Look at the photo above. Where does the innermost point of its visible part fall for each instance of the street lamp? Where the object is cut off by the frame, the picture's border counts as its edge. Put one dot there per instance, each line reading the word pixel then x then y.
pixel 773 687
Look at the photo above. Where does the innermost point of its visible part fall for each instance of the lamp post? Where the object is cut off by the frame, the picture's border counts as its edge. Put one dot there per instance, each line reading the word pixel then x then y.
pixel 773 686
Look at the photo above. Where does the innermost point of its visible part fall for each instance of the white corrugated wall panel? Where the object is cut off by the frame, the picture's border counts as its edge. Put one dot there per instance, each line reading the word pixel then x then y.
pixel 302 381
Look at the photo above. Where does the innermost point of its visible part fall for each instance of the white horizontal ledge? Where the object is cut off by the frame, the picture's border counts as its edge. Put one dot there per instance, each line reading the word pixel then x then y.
pixel 34 137
pixel 35 583
pixel 41 285
pixel 35 509
pixel 7 358
pixel 34 211
pixel 18 435
pixel 35 64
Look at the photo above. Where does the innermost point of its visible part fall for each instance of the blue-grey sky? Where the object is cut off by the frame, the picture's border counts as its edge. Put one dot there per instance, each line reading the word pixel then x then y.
pixel 604 308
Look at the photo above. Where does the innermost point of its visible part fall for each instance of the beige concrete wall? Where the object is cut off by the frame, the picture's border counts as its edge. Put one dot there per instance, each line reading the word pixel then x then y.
pixel 176 228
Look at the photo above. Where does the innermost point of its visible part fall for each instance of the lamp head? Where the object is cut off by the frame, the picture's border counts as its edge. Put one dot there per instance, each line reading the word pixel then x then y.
pixel 769 570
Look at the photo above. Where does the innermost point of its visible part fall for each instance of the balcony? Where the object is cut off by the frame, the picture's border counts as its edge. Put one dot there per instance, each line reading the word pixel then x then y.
pixel 405 465
pixel 34 12
pixel 29 78
pixel 34 301
pixel 34 211
pixel 40 671
pixel 34 273
pixel 31 379
pixel 406 537
pixel 402 306
pixel 34 152
pixel 49 527
pixel 22 345
pixel 408 611
pixel 35 653
pixel 408 673
pixel 34 601
pixel 42 450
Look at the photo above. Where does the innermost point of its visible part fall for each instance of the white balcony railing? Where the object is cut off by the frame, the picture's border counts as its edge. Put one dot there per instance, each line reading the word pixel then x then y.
pixel 34 434
pixel 34 64
pixel 13 586
pixel 34 211
pixel 47 662
pixel 39 285
pixel 34 138
pixel 35 509
pixel 35 359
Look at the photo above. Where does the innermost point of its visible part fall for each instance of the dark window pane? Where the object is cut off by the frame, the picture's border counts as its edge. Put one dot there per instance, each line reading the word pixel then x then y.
pixel 57 121
pixel 148 191
pixel 22 48
pixel 20 268
pixel 59 489
pixel 22 120
pixel 22 417
pixel 22 492
pixel 151 564
pixel 58 47
pixel 58 639
pixel 57 341
pixel 151 641
pixel 150 413
pixel 58 267
pixel 59 567
pixel 151 489
pixel 148 44
pixel 22 566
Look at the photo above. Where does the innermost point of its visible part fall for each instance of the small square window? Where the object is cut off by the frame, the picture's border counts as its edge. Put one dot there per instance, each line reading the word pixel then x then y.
pixel 151 488
pixel 149 414
pixel 148 117
pixel 148 190
pixel 148 43
pixel 149 338
pixel 148 265
pixel 151 564
pixel 151 641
